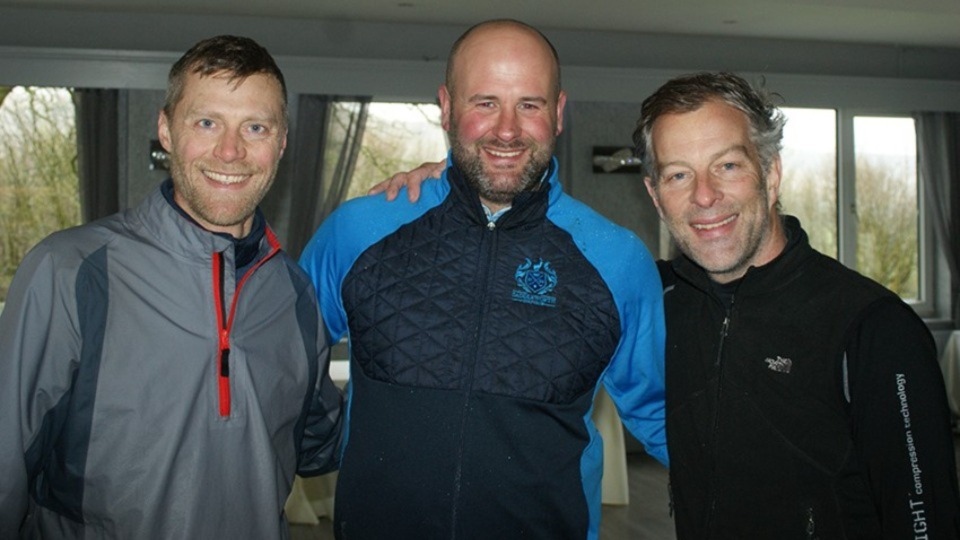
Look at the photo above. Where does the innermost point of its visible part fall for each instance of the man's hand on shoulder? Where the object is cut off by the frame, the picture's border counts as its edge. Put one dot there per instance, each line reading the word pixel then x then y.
pixel 411 179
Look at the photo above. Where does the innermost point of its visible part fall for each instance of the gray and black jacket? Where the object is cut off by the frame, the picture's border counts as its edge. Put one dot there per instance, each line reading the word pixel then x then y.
pixel 146 392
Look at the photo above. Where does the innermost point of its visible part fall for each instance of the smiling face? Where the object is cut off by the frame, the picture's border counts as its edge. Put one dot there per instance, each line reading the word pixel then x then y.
pixel 711 194
pixel 225 138
pixel 503 110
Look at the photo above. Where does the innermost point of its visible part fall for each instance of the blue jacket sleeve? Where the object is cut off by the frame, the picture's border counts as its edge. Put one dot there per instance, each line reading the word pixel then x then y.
pixel 635 377
pixel 326 263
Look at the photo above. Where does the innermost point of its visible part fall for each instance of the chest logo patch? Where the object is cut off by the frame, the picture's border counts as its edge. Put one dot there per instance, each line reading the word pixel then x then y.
pixel 779 364
pixel 534 283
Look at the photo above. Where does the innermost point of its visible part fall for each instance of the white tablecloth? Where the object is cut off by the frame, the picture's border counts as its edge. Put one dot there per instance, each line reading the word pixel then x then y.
pixel 313 497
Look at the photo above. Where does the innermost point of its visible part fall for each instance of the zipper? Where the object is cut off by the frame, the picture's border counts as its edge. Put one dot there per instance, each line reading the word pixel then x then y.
pixel 811 525
pixel 225 319
pixel 718 363
pixel 468 392
pixel 724 329
pixel 223 336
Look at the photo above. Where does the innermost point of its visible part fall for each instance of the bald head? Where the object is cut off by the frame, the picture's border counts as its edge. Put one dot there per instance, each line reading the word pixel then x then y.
pixel 500 34
pixel 503 108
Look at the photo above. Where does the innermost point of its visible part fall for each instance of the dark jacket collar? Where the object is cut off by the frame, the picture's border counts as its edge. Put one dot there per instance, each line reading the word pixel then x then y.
pixel 247 249
pixel 527 206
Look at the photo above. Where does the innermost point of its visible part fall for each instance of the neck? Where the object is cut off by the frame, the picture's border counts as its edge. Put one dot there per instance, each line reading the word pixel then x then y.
pixel 494 207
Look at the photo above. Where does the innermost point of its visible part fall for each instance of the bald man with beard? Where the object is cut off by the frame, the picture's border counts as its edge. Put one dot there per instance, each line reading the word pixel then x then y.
pixel 483 319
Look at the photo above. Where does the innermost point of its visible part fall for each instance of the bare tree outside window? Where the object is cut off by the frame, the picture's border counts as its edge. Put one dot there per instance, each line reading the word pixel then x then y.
pixel 887 204
pixel 38 171
pixel 885 185
pixel 398 137
pixel 808 188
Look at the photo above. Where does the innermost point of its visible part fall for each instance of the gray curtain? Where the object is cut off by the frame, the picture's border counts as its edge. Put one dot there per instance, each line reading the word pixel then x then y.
pixel 326 143
pixel 938 150
pixel 97 146
pixel 348 119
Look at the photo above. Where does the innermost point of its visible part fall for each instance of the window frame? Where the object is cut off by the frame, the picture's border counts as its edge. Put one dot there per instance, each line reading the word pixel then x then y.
pixel 927 289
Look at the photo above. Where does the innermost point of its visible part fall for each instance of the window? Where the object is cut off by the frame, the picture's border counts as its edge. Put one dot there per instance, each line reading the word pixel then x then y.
pixel 397 137
pixel 852 180
pixel 808 188
pixel 887 209
pixel 38 171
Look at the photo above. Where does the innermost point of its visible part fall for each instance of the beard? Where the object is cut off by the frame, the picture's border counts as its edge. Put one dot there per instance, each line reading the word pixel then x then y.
pixel 729 261
pixel 216 209
pixel 495 186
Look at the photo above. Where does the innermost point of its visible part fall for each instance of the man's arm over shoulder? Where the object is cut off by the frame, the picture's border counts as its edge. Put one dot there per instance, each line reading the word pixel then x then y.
pixel 901 424
pixel 410 180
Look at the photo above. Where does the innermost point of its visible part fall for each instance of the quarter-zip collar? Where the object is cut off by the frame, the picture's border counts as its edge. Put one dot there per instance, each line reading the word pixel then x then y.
pixel 527 206
pixel 492 217
pixel 246 249
pixel 163 218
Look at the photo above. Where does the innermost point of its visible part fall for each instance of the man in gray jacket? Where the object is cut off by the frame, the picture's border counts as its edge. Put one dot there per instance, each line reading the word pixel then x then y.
pixel 163 371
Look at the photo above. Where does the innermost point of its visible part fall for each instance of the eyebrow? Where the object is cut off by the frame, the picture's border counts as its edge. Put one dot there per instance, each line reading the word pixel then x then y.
pixel 490 97
pixel 713 157
pixel 256 116
pixel 733 148
pixel 536 99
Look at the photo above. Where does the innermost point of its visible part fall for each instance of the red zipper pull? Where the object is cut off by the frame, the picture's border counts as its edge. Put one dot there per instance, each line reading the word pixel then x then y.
pixel 223 337
pixel 225 319
pixel 223 373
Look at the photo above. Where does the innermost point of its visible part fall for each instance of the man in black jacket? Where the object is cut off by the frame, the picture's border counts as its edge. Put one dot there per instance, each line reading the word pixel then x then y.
pixel 803 399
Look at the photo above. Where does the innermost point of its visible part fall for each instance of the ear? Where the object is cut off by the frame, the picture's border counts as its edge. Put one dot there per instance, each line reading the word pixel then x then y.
pixel 773 181
pixel 561 103
pixel 444 96
pixel 163 132
pixel 283 144
pixel 652 191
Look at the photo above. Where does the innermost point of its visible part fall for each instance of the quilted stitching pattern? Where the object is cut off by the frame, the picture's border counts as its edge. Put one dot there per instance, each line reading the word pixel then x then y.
pixel 416 317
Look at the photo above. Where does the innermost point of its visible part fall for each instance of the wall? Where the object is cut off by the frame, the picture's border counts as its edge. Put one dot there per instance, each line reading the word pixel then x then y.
pixel 138 119
pixel 619 196
pixel 606 74
pixel 404 61
pixel 30 28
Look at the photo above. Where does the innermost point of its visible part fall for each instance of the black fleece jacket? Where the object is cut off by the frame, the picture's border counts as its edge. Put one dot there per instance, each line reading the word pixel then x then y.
pixel 808 403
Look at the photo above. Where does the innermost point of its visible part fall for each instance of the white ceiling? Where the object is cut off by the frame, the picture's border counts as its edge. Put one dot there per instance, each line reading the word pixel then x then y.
pixel 924 23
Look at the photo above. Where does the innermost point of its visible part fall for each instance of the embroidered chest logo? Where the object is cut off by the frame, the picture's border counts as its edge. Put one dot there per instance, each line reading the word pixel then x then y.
pixel 779 364
pixel 534 283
